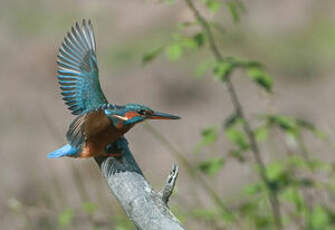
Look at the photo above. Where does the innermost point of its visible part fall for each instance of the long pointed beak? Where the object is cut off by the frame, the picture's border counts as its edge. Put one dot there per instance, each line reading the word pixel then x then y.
pixel 163 116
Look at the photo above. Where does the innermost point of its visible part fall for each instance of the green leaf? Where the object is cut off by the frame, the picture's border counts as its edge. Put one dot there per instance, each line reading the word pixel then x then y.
pixel 199 38
pixel 278 175
pixel 237 137
pixel 286 123
pixel 253 189
pixel 213 5
pixel 223 69
pixel 65 218
pixel 202 68
pixel 151 55
pixel 246 64
pixel 237 154
pixel 319 218
pixel 235 7
pixel 254 64
pixel 89 207
pixel 232 120
pixel 174 51
pixel 211 166
pixel 189 43
pixel 261 78
pixel 293 126
pixel 275 170
pixel 209 136
pixel 210 132
pixel 292 195
pixel 233 11
pixel 248 208
pixel 262 133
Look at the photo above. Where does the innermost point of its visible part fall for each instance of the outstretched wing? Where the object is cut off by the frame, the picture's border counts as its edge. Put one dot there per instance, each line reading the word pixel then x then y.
pixel 78 73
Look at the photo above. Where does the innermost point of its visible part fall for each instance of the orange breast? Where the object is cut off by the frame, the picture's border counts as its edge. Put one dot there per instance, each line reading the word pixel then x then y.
pixel 101 132
pixel 95 145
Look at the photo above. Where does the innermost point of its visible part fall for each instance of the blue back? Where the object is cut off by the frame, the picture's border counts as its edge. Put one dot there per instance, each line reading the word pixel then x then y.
pixel 78 72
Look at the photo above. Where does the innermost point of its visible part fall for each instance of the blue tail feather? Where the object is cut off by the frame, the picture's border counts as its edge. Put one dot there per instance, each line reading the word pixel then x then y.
pixel 66 150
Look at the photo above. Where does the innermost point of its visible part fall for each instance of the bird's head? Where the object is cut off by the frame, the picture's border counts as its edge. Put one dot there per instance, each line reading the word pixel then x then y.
pixel 134 113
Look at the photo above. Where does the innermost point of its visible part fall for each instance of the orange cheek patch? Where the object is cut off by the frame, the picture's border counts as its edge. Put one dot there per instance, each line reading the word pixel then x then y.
pixel 130 115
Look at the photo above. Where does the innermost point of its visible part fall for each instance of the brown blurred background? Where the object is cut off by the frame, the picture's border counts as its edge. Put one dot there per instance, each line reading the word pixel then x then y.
pixel 294 39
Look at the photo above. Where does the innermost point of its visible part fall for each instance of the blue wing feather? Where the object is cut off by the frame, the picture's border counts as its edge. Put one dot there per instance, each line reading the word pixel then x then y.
pixel 78 73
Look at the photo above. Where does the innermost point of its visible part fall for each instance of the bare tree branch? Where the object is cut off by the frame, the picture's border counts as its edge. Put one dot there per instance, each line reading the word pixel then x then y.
pixel 144 207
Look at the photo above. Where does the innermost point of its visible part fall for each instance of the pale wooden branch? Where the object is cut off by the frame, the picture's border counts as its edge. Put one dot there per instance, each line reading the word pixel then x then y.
pixel 170 183
pixel 144 207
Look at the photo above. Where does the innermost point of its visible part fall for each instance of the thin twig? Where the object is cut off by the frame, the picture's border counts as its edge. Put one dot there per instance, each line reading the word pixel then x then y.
pixel 187 165
pixel 239 111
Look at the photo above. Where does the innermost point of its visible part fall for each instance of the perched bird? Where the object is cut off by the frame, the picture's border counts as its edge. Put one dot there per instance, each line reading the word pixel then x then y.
pixel 98 123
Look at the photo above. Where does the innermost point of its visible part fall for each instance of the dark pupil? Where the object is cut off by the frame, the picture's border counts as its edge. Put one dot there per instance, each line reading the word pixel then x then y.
pixel 142 112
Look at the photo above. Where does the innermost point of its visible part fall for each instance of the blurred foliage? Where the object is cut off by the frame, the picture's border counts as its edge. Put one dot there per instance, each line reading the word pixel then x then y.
pixel 212 166
pixel 68 217
pixel 65 218
pixel 209 136
pixel 89 207
pixel 294 178
pixel 304 183
pixel 122 223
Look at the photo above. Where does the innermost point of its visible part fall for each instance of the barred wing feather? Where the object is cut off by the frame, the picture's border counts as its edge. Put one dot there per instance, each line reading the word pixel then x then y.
pixel 78 73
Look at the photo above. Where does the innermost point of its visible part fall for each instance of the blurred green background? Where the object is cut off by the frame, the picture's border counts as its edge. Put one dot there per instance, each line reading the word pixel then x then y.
pixel 294 39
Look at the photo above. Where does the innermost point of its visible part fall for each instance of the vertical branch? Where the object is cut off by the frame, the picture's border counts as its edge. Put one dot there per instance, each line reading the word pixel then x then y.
pixel 239 111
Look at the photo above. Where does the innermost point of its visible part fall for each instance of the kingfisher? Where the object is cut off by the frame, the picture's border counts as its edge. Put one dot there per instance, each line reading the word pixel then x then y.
pixel 98 124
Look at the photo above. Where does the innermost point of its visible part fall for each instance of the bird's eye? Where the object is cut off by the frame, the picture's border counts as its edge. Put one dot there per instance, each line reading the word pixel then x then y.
pixel 142 112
